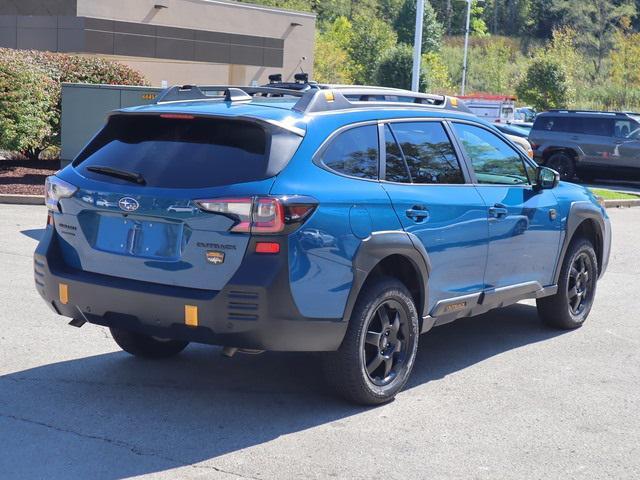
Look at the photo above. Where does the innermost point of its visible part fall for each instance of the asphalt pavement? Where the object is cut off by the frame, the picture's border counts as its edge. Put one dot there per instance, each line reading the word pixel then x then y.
pixel 493 397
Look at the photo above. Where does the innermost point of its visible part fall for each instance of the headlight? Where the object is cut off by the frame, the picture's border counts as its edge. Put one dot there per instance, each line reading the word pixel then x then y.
pixel 55 189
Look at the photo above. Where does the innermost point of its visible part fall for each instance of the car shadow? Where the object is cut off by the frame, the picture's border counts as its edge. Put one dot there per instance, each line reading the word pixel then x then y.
pixel 113 416
pixel 34 233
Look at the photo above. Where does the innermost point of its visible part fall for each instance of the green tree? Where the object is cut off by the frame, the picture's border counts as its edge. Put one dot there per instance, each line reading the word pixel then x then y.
pixel 394 68
pixel 332 61
pixel 597 21
pixel 544 84
pixel 625 63
pixel 370 40
pixel 431 28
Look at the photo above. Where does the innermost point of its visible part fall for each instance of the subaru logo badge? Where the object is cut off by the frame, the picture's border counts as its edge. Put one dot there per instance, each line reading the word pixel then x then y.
pixel 128 204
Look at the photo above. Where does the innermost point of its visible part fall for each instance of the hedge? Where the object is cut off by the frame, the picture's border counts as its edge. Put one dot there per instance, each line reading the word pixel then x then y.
pixel 30 88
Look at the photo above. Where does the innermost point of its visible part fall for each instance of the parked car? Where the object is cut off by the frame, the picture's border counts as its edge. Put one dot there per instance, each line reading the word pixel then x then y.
pixel 492 108
pixel 585 143
pixel 516 135
pixel 341 220
pixel 525 114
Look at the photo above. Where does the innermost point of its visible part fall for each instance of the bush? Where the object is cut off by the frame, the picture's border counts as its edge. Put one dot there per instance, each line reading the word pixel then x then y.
pixel 35 79
pixel 394 68
pixel 544 85
pixel 26 108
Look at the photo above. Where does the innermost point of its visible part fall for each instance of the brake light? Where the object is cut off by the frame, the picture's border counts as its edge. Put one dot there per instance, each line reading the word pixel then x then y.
pixel 56 189
pixel 262 215
pixel 177 116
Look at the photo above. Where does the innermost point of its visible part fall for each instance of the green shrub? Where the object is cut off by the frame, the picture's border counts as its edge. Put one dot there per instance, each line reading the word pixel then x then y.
pixel 394 68
pixel 31 89
pixel 544 85
pixel 26 108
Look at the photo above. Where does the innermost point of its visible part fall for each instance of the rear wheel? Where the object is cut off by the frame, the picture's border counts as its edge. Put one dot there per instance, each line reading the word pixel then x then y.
pixel 146 346
pixel 377 354
pixel 570 307
pixel 562 163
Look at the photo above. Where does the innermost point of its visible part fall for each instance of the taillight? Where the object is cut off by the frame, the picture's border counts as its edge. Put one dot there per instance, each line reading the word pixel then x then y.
pixel 262 215
pixel 55 189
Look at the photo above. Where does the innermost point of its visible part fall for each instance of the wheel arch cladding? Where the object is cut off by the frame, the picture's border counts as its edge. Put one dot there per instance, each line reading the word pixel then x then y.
pixel 394 254
pixel 585 221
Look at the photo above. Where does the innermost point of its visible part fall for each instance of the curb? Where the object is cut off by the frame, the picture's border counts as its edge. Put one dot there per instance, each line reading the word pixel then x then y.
pixel 11 199
pixel 622 203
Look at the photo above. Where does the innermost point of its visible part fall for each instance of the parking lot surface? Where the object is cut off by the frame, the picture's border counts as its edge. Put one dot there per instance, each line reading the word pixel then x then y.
pixel 493 397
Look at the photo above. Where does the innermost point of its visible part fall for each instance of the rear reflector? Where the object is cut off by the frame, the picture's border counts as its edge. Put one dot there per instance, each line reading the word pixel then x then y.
pixel 267 247
pixel 63 291
pixel 191 315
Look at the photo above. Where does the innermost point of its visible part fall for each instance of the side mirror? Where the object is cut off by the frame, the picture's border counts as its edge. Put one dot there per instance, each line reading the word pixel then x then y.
pixel 546 178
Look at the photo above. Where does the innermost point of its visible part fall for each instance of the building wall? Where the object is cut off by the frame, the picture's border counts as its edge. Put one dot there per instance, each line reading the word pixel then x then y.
pixel 190 41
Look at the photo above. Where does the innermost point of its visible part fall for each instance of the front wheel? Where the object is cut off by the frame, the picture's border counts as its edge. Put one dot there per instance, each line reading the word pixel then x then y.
pixel 145 346
pixel 570 306
pixel 379 349
pixel 563 164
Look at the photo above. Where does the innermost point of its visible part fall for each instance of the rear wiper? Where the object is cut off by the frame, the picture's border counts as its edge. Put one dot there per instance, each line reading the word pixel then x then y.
pixel 115 172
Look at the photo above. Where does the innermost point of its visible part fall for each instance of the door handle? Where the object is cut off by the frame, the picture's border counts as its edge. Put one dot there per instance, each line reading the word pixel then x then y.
pixel 418 213
pixel 498 211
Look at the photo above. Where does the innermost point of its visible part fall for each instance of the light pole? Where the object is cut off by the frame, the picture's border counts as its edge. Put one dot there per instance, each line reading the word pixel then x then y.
pixel 417 47
pixel 466 46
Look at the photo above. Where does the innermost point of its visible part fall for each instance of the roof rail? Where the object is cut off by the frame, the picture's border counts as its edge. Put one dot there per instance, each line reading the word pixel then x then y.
pixel 342 97
pixel 228 93
pixel 602 112
pixel 316 97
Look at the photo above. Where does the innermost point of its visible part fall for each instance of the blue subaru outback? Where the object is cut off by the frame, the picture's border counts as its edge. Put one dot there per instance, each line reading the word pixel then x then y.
pixel 343 220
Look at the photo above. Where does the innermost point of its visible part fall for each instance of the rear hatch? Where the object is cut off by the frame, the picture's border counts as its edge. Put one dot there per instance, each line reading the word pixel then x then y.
pixel 135 214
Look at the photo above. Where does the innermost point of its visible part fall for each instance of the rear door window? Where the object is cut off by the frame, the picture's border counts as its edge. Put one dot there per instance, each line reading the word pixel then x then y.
pixel 426 152
pixel 354 152
pixel 592 126
pixel 188 152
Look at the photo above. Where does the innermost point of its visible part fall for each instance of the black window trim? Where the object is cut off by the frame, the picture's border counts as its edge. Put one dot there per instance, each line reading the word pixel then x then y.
pixel 462 161
pixel 525 159
pixel 317 156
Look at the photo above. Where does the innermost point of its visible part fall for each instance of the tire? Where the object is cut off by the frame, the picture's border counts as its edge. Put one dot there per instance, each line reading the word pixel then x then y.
pixel 383 336
pixel 570 306
pixel 145 346
pixel 563 164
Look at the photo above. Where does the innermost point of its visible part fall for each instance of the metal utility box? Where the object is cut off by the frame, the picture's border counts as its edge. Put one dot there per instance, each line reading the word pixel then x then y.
pixel 85 108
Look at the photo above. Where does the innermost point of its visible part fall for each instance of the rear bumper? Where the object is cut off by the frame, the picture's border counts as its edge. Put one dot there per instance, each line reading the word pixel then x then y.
pixel 255 310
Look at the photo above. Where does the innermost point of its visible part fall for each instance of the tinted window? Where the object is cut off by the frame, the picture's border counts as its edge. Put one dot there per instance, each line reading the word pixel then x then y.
pixel 592 126
pixel 493 160
pixel 428 152
pixel 397 170
pixel 552 124
pixel 354 152
pixel 187 153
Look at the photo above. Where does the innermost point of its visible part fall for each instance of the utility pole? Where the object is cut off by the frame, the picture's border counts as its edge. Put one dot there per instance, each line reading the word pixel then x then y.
pixel 417 47
pixel 466 47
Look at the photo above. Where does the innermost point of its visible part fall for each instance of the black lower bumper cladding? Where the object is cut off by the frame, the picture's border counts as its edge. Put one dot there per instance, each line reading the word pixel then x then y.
pixel 255 310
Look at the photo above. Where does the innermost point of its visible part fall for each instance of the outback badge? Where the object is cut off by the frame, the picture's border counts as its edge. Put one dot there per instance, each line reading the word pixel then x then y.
pixel 215 257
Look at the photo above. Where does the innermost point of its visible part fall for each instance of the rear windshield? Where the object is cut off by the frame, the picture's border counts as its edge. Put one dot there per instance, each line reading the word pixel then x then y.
pixel 188 152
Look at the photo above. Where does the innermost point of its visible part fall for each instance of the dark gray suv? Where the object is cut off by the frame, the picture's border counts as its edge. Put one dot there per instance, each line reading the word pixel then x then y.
pixel 585 143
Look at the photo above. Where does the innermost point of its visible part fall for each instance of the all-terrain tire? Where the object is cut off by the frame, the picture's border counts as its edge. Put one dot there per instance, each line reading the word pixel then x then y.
pixel 369 339
pixel 570 306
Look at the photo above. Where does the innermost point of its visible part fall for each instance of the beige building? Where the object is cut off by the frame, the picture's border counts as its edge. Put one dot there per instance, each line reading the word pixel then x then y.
pixel 177 41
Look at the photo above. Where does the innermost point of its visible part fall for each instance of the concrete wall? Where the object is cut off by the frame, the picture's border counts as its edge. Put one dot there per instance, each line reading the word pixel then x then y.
pixel 217 16
pixel 190 41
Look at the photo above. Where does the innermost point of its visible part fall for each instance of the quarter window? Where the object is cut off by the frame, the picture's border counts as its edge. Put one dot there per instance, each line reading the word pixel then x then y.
pixel 424 150
pixel 354 152
pixel 493 160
